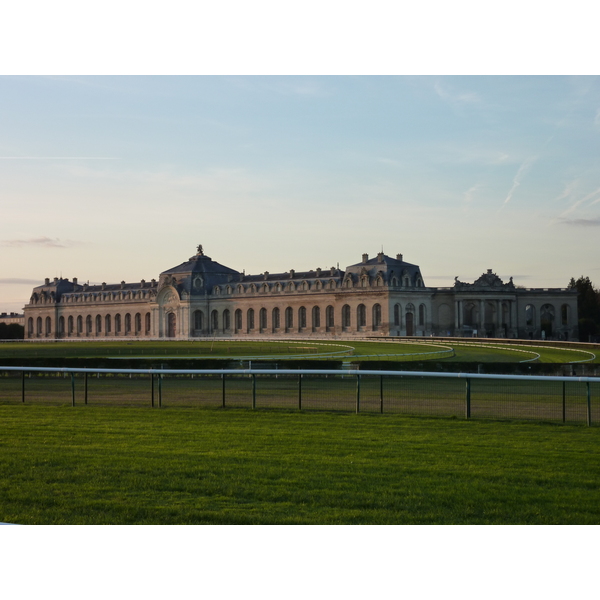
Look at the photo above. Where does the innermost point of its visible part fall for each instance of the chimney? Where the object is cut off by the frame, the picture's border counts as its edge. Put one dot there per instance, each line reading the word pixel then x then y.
pixel 292 273
pixel 380 257
pixel 104 285
pixel 143 282
pixel 365 258
pixel 399 257
pixel 122 285
pixel 74 280
pixel 55 280
pixel 47 281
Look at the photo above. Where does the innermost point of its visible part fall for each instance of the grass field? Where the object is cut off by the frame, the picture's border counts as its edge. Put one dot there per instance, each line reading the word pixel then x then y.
pixel 137 465
pixel 456 351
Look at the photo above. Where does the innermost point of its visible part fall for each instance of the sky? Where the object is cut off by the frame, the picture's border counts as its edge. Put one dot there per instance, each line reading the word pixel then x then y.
pixel 110 178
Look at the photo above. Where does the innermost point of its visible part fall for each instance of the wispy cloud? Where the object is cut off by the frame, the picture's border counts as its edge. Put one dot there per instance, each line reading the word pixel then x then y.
pixel 470 193
pixel 18 281
pixel 456 97
pixel 591 196
pixel 523 169
pixel 581 222
pixel 44 242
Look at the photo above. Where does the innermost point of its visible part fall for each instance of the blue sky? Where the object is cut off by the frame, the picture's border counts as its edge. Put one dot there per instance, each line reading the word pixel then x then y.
pixel 112 178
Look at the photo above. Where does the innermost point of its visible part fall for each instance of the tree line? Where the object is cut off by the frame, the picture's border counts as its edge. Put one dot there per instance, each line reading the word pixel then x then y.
pixel 588 307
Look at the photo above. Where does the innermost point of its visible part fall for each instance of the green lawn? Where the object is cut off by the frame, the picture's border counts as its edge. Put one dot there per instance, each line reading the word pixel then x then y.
pixel 479 350
pixel 200 465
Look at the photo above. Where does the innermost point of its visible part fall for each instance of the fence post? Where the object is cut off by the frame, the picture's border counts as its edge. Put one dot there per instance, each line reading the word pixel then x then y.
pixel 253 390
pixel 589 404
pixel 72 389
pixel 357 394
pixel 22 386
pixel 564 403
pixel 381 392
pixel 160 390
pixel 85 387
pixel 300 391
pixel 468 400
pixel 152 390
pixel 223 390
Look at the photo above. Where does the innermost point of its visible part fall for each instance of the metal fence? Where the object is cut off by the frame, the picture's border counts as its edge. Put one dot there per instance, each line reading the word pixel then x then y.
pixel 460 395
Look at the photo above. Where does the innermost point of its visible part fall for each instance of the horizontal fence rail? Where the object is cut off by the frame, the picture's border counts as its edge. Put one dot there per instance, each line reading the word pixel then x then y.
pixel 469 395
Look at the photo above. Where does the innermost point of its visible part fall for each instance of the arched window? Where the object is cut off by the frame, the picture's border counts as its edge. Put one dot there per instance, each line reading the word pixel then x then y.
pixel 148 323
pixel 262 319
pixel 30 326
pixel 61 326
pixel 250 319
pixel 252 288
pixel 265 288
pixel 48 325
pixel 376 316
pixel 226 320
pixel 38 329
pixel 361 316
pixel 422 315
pixel 275 319
pixel 70 326
pixel 117 324
pixel 198 321
pixel 289 318
pixel 107 324
pixel 88 325
pixel 217 290
pixel 301 317
pixel 79 325
pixel 364 281
pixel 240 289
pixel 127 323
pixel 316 317
pixel 329 317
pixel 214 321
pixel 346 316
pixel 397 322
pixel 238 320
pixel 98 324
pixel 138 323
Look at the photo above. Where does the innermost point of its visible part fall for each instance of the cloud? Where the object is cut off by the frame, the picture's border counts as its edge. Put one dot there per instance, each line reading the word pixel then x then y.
pixel 44 242
pixel 17 281
pixel 457 97
pixel 581 222
pixel 577 204
pixel 525 166
pixel 468 197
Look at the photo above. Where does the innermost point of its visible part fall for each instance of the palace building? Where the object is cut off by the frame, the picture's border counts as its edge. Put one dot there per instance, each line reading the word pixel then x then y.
pixel 376 297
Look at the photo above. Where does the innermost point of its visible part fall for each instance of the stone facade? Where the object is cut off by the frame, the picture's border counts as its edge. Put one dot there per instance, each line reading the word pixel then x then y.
pixel 381 297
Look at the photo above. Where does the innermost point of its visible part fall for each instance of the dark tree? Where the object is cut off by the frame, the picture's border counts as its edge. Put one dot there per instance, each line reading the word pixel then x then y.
pixel 588 307
pixel 11 331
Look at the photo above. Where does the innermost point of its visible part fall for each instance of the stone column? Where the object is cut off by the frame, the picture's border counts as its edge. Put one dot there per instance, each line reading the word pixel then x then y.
pixel 514 324
pixel 482 315
pixel 457 314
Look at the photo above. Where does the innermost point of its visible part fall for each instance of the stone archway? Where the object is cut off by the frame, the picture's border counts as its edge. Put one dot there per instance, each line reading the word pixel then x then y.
pixel 171 325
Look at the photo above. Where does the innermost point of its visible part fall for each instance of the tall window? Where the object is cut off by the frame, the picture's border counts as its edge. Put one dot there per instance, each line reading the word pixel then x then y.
pixel 61 326
pixel 238 320
pixel 138 323
pixel 88 325
pixel 316 317
pixel 117 324
pixel 346 316
pixel 79 325
pixel 361 315
pixel 376 316
pixel 48 325
pixel 39 326
pixel 226 320
pixel 275 318
pixel 289 317
pixel 262 319
pixel 127 323
pixel 107 324
pixel 530 315
pixel 329 319
pixel 564 314
pixel 98 324
pixel 198 320
pixel 397 315
pixel 70 326
pixel 302 317
pixel 250 319
pixel 214 321
pixel 422 315
pixel 147 327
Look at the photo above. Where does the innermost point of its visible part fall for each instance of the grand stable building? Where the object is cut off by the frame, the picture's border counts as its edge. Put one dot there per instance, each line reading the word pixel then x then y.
pixel 381 296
